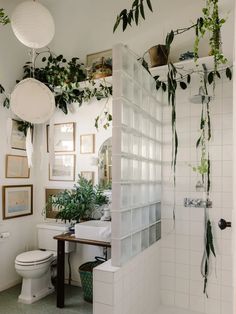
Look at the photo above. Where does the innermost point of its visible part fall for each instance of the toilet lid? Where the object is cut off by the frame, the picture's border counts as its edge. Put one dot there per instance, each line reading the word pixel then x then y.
pixel 33 256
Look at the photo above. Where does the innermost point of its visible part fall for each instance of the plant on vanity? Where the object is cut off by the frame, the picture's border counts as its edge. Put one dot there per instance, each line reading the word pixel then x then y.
pixel 78 203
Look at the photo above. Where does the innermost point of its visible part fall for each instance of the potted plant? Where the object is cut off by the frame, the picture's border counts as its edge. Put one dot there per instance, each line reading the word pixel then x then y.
pixel 79 203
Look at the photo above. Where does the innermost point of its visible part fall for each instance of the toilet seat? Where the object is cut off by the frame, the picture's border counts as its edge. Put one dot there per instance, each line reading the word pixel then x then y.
pixel 35 257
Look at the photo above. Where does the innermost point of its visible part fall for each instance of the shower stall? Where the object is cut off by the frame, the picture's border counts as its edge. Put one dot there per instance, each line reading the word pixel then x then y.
pixel 156 260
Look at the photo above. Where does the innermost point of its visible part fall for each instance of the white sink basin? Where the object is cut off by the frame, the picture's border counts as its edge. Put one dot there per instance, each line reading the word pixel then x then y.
pixel 96 230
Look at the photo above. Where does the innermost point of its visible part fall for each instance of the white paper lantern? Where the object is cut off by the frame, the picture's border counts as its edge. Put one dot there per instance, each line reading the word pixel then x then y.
pixel 32 101
pixel 33 24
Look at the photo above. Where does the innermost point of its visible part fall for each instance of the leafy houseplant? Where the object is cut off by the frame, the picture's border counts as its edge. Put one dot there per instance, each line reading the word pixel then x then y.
pixel 79 203
pixel 63 78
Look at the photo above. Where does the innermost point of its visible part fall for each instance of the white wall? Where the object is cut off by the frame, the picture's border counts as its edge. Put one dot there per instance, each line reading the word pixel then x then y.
pixel 182 248
pixel 22 230
pixel 84 27
pixel 84 118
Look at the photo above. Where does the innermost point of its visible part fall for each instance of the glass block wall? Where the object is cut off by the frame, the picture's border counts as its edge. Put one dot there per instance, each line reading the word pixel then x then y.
pixel 136 158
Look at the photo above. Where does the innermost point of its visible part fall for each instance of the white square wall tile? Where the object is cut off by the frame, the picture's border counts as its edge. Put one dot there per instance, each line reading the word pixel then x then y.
pixel 182 300
pixel 167 298
pixel 103 293
pixel 197 303
pixel 168 269
pixel 167 283
pixel 182 285
pixel 182 271
pixel 196 287
pixel 99 308
pixel 182 256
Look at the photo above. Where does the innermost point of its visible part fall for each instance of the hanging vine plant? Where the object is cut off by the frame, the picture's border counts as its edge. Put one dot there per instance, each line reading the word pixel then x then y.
pixel 209 23
pixel 204 170
pixel 64 79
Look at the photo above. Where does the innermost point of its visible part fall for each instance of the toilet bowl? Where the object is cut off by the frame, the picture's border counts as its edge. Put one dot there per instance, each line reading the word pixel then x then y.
pixel 35 269
pixel 35 266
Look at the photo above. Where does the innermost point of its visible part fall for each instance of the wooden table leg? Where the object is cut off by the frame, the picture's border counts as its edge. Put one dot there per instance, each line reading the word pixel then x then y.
pixel 60 273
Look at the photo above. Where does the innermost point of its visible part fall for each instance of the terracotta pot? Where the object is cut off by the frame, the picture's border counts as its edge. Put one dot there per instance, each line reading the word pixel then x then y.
pixel 158 55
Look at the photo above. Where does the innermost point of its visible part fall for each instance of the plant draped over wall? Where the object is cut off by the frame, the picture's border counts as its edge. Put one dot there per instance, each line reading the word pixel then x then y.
pixel 64 79
pixel 209 24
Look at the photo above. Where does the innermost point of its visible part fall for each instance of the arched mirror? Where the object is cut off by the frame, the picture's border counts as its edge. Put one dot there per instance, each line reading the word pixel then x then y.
pixel 105 164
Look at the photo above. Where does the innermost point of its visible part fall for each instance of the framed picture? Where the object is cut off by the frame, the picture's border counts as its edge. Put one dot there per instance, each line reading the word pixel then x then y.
pixel 64 137
pixel 51 211
pixel 88 175
pixel 63 168
pixel 17 167
pixel 17 201
pixel 99 64
pixel 87 144
pixel 18 138
pixel 96 57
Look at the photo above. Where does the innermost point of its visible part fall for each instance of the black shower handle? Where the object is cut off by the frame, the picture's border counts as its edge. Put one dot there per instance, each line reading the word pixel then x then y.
pixel 223 224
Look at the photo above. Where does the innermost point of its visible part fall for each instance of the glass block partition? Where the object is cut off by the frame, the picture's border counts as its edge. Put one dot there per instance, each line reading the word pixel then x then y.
pixel 136 158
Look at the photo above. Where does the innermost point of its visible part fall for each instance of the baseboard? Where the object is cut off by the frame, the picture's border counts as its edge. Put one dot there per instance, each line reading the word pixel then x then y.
pixel 73 283
pixel 10 285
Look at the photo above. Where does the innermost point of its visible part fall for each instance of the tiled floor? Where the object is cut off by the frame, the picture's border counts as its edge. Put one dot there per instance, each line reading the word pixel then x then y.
pixel 73 296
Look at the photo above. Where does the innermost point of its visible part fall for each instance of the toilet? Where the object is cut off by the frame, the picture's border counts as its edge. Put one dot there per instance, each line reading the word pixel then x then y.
pixel 35 266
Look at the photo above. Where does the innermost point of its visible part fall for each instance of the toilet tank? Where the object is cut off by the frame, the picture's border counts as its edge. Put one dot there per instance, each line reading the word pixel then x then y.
pixel 46 232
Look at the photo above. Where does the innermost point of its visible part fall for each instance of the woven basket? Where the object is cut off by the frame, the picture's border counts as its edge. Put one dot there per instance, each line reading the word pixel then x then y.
pixel 86 276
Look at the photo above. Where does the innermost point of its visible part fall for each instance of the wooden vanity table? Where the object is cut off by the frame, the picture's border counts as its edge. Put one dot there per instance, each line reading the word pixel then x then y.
pixel 61 239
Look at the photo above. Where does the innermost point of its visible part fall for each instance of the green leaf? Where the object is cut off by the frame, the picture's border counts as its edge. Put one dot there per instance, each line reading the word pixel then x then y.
pixel 210 77
pixel 149 5
pixel 183 85
pixel 142 10
pixel 198 142
pixel 188 78
pixel 136 15
pixel 169 38
pixel 6 103
pixel 228 73
pixel 125 22
pixel 218 74
pixel 163 85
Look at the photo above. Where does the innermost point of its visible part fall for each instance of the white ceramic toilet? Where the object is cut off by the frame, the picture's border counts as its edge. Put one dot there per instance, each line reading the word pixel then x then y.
pixel 35 266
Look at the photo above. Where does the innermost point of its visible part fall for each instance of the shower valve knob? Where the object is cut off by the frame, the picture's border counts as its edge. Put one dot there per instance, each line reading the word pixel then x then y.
pixel 223 224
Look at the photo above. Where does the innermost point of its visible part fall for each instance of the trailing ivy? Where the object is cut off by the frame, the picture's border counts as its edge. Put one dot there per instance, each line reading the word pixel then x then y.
pixel 64 79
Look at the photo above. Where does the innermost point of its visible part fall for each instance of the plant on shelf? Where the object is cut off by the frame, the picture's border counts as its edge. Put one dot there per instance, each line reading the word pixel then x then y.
pixel 64 79
pixel 78 203
pixel 209 23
